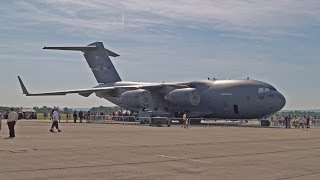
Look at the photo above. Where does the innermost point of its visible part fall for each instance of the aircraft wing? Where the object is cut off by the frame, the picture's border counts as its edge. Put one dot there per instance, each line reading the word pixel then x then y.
pixel 83 92
pixel 152 86
pixel 87 92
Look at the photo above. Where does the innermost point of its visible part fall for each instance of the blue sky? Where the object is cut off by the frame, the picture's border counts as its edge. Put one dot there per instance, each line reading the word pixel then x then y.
pixel 276 41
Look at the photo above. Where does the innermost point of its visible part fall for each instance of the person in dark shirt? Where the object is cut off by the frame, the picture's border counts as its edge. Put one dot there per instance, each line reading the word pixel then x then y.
pixel 81 116
pixel 75 116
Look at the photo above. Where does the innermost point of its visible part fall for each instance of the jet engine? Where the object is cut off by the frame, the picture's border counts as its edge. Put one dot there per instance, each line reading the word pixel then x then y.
pixel 139 98
pixel 184 97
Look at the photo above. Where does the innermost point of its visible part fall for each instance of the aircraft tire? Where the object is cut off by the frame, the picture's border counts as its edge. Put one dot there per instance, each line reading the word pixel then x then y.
pixel 265 123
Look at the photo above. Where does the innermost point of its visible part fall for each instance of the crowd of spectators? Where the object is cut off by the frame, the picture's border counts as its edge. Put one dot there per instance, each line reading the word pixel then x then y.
pixel 295 121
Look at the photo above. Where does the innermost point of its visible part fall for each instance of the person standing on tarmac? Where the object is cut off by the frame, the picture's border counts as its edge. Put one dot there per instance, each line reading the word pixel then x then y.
pixel 184 118
pixel 67 116
pixel 75 116
pixel 55 120
pixel 11 121
pixel 81 116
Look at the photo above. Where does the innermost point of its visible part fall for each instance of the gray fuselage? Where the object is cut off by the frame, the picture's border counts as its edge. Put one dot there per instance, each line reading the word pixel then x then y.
pixel 227 99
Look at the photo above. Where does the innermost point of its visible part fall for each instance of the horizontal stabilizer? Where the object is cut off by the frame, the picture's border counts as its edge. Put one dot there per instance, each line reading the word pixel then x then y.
pixel 80 48
pixel 72 48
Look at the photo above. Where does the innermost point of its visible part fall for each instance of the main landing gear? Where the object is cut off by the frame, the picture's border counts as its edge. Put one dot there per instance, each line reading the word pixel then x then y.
pixel 265 123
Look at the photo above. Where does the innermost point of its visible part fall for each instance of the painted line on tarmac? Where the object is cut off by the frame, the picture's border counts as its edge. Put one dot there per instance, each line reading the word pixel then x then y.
pixel 181 158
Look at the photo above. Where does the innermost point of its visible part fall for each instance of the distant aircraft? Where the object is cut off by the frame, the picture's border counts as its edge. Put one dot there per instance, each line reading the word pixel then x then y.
pixel 226 99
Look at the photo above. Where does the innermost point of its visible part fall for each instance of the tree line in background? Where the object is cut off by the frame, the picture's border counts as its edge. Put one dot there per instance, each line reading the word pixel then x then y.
pixel 47 109
pixel 301 113
pixel 105 110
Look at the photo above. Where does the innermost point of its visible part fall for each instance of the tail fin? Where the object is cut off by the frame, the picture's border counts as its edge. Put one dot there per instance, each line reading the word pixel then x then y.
pixel 98 60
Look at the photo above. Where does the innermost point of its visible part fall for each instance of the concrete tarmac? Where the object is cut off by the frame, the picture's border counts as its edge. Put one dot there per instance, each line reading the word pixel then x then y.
pixel 115 151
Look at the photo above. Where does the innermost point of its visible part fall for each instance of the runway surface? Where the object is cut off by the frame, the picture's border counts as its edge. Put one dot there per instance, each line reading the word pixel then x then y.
pixel 115 151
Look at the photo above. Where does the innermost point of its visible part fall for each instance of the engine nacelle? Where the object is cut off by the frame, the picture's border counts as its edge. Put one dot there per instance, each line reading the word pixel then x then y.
pixel 139 98
pixel 184 97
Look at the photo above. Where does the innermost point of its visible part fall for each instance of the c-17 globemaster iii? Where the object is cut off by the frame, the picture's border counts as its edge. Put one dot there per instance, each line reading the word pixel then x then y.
pixel 225 99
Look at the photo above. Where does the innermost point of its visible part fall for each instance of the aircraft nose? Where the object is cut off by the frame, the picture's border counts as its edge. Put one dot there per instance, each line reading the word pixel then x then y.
pixel 281 101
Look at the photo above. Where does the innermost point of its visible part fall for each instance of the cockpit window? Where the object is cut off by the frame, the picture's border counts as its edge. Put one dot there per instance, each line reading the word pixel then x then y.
pixel 273 89
pixel 261 90
pixel 265 89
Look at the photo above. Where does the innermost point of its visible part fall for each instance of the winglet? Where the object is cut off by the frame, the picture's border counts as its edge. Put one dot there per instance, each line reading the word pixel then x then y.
pixel 24 89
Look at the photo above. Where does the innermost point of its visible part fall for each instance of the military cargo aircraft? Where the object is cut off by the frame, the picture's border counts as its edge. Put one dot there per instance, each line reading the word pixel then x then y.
pixel 224 99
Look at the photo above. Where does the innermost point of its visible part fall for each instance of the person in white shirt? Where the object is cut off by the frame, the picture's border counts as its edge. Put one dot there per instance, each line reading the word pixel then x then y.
pixel 11 121
pixel 55 120
pixel 184 118
pixel 302 123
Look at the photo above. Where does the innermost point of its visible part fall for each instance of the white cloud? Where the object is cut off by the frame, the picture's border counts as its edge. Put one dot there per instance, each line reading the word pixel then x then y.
pixel 273 17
